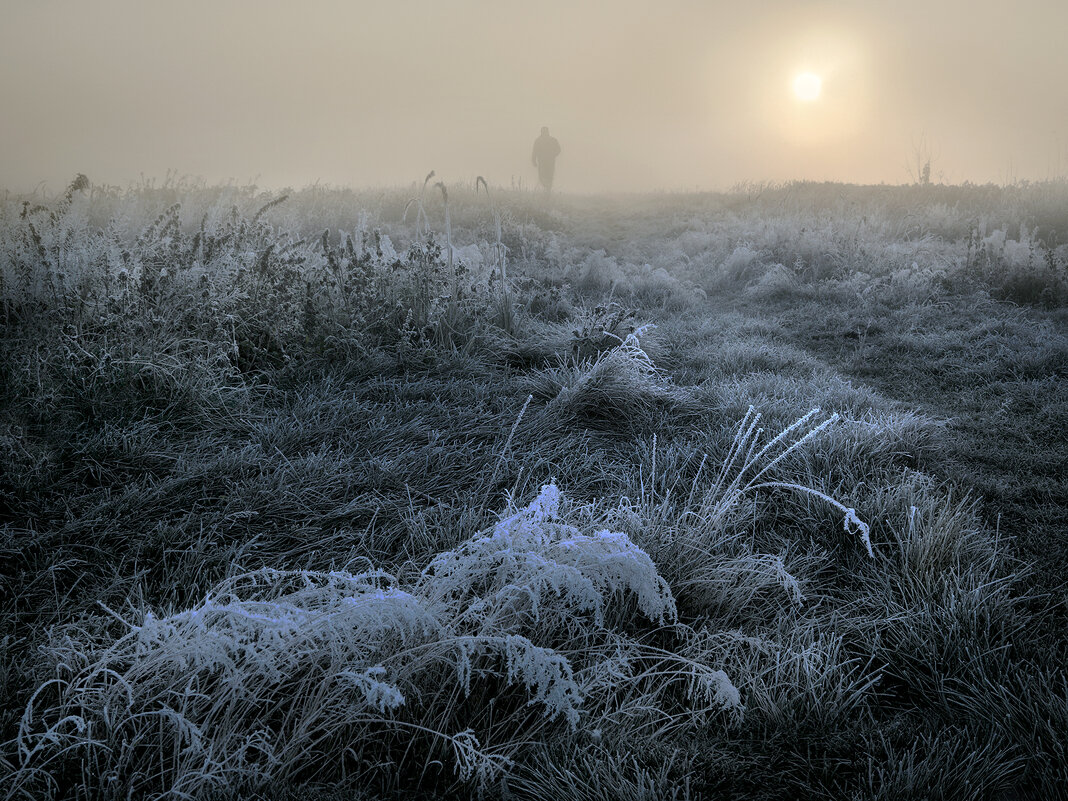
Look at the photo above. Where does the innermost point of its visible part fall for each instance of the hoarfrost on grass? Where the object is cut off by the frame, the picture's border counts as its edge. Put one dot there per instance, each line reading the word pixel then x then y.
pixel 251 682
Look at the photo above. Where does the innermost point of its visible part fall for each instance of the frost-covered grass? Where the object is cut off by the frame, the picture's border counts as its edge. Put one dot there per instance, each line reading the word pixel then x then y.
pixel 285 675
pixel 305 497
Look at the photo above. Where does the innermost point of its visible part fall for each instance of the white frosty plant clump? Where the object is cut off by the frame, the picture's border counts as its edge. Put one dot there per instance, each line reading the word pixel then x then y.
pixel 532 555
pixel 277 674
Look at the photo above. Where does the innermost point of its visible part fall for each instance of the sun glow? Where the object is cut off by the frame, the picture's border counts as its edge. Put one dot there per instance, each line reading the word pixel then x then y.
pixel 807 86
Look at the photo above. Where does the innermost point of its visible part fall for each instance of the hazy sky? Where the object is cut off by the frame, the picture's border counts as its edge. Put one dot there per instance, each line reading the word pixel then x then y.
pixel 642 95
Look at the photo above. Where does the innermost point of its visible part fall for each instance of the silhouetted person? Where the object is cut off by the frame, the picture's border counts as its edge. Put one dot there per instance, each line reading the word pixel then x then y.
pixel 546 149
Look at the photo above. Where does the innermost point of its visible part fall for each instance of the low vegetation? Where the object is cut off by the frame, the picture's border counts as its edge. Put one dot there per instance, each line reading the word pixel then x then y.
pixel 446 493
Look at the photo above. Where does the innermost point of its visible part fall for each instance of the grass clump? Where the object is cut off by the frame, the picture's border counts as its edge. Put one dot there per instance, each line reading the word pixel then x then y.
pixel 274 673
pixel 618 390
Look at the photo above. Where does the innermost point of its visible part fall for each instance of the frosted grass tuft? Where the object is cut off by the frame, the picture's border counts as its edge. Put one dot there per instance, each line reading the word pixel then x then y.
pixel 274 670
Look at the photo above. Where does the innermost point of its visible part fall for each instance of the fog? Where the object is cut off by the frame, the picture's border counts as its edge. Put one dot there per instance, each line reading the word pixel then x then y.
pixel 680 96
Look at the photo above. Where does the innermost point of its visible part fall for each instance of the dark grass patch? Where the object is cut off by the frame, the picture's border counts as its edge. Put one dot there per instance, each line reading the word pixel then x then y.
pixel 995 374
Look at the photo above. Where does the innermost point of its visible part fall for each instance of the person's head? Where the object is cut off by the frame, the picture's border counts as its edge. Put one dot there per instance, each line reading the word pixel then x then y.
pixel 545 130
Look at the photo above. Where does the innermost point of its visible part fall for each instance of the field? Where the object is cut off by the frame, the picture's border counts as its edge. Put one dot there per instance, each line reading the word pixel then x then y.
pixel 448 492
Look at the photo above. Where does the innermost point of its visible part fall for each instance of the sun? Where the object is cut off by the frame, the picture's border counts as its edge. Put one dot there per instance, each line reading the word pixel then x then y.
pixel 807 86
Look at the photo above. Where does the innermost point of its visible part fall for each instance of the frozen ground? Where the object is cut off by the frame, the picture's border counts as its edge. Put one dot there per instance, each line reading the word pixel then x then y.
pixel 378 494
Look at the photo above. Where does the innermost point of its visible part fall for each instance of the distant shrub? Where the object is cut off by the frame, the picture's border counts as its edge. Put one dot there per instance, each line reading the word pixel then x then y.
pixel 1024 270
pixel 777 282
pixel 1034 285
pixel 742 264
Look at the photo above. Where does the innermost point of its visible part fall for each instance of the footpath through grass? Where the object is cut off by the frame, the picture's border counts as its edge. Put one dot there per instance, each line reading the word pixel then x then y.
pixel 995 373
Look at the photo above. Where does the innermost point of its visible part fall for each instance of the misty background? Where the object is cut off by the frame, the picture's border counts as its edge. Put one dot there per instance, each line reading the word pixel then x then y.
pixel 683 96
